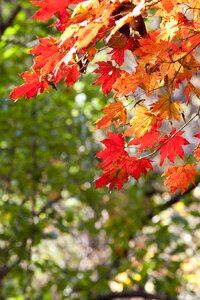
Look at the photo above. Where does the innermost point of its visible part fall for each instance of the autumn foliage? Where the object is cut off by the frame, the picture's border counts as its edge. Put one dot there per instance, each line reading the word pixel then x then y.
pixel 143 69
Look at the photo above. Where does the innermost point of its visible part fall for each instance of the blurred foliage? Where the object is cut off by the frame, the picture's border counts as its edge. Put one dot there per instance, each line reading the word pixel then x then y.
pixel 60 238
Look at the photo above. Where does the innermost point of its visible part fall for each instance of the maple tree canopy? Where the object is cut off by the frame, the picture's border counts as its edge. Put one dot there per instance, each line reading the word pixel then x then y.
pixel 145 109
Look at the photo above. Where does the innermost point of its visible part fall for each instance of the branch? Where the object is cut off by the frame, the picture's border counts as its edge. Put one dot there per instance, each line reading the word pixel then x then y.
pixel 5 25
pixel 174 199
pixel 6 268
pixel 4 271
pixel 132 294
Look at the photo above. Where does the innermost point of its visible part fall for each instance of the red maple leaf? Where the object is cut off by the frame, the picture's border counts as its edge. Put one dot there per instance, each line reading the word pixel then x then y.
pixel 71 74
pixel 117 55
pixel 148 140
pixel 62 22
pixel 116 176
pixel 171 145
pixel 197 135
pixel 34 85
pixel 114 149
pixel 118 164
pixel 47 55
pixel 109 75
pixel 121 169
pixel 115 162
pixel 48 8
pixel 138 166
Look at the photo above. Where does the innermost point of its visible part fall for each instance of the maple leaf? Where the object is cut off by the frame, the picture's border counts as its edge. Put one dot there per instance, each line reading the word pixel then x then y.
pixel 189 89
pixel 166 109
pixel 114 149
pixel 125 84
pixel 109 75
pixel 47 55
pixel 128 18
pixel 115 111
pixel 115 160
pixel 121 169
pixel 114 177
pixel 148 140
pixel 118 164
pixel 168 5
pixel 149 50
pixel 48 8
pixel 71 74
pixel 34 85
pixel 170 29
pixel 87 34
pixel 197 135
pixel 142 122
pixel 138 166
pixel 70 31
pixel 164 56
pixel 117 55
pixel 62 21
pixel 197 153
pixel 171 145
pixel 180 177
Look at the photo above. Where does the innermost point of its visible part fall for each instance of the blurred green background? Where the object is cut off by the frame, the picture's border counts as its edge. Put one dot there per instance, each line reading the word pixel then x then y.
pixel 60 238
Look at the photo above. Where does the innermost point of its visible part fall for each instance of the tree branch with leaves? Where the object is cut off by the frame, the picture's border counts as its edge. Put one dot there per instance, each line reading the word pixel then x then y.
pixel 165 58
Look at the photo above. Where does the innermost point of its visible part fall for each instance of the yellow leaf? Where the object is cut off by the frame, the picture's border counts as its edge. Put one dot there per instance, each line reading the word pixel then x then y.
pixel 87 34
pixel 166 109
pixel 85 7
pixel 142 122
pixel 69 32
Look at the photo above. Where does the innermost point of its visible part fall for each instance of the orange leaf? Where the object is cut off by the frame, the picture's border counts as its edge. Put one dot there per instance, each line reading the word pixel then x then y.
pixel 47 55
pixel 115 111
pixel 189 89
pixel 168 5
pixel 125 84
pixel 197 153
pixel 180 177
pixel 166 109
pixel 142 122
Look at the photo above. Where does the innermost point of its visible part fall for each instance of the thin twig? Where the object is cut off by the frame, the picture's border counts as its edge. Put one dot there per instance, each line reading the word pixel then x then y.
pixel 132 294
pixel 5 25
